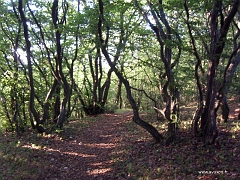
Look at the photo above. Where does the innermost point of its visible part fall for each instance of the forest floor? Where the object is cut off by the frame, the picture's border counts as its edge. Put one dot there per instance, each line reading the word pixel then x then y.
pixel 111 146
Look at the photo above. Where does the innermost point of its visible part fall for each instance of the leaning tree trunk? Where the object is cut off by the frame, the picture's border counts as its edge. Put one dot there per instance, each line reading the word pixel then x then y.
pixel 136 118
pixel 163 33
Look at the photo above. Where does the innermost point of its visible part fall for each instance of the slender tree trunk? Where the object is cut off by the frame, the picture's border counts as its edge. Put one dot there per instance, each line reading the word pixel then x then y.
pixel 199 110
pixel 239 94
pixel 163 33
pixel 6 111
pixel 57 102
pixel 136 118
pixel 225 108
pixel 208 118
pixel 60 75
pixel 118 100
pixel 30 73
pixel 218 33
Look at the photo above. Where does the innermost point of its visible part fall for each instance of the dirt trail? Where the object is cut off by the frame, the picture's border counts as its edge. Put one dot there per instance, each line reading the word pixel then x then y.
pixel 112 147
pixel 89 154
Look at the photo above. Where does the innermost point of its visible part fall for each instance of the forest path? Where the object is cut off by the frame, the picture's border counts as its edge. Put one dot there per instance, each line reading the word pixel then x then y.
pixel 112 147
pixel 89 154
pixel 98 151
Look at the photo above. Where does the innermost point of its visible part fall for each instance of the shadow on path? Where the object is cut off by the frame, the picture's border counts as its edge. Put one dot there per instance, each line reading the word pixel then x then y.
pixel 87 155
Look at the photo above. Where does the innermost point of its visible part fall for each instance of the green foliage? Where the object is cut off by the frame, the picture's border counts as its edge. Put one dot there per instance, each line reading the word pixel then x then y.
pixel 139 54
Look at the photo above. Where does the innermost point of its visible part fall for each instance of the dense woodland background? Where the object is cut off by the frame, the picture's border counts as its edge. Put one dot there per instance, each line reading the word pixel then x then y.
pixel 119 89
pixel 62 60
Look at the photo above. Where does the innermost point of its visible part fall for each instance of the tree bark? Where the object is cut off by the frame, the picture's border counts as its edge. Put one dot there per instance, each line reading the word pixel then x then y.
pixel 30 73
pixel 136 118
pixel 199 110
pixel 163 33
pixel 208 117
pixel 118 100
pixel 59 60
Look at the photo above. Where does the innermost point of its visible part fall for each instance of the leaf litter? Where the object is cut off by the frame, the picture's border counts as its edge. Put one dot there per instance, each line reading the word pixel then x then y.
pixel 111 146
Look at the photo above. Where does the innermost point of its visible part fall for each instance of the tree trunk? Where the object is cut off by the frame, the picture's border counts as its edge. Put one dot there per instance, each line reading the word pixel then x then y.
pixel 163 33
pixel 199 110
pixel 60 75
pixel 47 104
pixel 57 103
pixel 118 100
pixel 30 73
pixel 239 94
pixel 218 32
pixel 208 117
pixel 225 109
pixel 136 118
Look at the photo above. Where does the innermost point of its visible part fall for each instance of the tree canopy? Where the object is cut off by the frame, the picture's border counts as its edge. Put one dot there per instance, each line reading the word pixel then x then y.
pixel 63 59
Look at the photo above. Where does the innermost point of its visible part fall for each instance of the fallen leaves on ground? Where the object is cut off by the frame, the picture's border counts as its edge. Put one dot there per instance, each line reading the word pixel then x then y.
pixel 111 146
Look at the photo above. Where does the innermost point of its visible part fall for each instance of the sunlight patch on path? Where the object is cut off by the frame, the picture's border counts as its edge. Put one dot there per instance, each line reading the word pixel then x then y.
pixel 102 163
pixel 234 113
pixel 96 172
pixel 50 150
pixel 100 145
